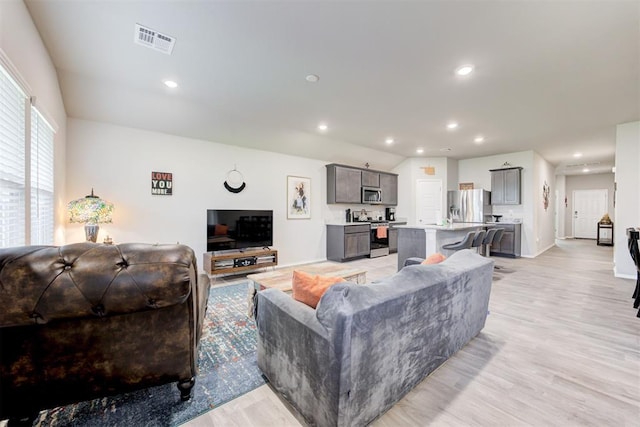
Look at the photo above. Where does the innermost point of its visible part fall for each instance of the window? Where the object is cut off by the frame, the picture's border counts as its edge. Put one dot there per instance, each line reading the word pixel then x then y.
pixel 41 180
pixel 26 193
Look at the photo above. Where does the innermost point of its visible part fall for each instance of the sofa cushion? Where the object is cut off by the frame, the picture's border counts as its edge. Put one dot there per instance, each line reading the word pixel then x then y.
pixel 308 288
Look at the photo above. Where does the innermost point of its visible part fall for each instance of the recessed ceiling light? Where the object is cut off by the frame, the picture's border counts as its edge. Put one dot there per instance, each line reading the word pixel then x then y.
pixel 577 155
pixel 478 139
pixel 464 70
pixel 389 141
pixel 585 170
pixel 171 84
pixel 452 125
pixel 420 150
pixel 323 127
pixel 312 78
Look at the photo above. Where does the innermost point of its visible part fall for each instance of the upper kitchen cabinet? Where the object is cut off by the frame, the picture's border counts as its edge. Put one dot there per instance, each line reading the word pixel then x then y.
pixel 343 184
pixel 389 187
pixel 505 186
pixel 371 179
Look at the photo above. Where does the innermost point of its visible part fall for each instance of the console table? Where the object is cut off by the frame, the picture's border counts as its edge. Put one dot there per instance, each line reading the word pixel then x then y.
pixel 239 261
pixel 605 234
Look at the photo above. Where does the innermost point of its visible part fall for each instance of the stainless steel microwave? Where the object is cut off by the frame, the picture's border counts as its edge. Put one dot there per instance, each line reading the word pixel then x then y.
pixel 371 195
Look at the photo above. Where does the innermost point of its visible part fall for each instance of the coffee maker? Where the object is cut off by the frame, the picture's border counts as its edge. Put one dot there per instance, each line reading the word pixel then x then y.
pixel 390 214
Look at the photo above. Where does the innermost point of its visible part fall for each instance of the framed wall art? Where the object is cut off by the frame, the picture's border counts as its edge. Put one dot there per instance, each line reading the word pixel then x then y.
pixel 298 197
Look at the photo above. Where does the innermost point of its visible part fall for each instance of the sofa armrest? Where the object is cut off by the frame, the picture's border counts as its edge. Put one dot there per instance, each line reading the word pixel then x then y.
pixel 44 283
pixel 413 261
pixel 296 354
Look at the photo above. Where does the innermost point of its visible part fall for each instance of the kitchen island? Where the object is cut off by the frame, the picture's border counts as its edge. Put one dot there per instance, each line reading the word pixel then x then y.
pixel 424 240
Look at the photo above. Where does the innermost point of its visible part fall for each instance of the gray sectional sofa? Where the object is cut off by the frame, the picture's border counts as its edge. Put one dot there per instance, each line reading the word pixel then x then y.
pixel 366 346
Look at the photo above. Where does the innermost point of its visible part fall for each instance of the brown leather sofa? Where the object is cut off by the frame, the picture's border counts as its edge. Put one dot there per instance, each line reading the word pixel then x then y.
pixel 87 320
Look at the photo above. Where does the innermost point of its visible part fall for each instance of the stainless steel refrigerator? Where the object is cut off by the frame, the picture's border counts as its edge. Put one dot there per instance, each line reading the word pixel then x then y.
pixel 469 205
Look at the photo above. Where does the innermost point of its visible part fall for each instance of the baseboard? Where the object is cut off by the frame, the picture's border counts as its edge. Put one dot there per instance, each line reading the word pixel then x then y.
pixel 623 276
pixel 539 252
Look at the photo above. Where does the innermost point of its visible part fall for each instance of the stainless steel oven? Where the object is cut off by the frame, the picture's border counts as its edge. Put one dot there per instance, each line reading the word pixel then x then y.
pixel 379 239
pixel 371 195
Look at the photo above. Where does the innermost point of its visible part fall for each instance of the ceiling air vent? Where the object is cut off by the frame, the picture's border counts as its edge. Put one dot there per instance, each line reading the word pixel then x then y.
pixel 582 165
pixel 145 36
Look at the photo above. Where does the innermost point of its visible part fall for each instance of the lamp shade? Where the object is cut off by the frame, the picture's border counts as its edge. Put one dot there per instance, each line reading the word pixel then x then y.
pixel 90 210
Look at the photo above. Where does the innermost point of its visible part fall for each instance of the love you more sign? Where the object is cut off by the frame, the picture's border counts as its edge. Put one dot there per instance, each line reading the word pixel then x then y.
pixel 161 183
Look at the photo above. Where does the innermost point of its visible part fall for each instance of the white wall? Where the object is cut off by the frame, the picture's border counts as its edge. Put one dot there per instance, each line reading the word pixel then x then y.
pixel 627 178
pixel 117 162
pixel 544 226
pixel 21 44
pixel 561 205
pixel 477 171
pixel 411 170
pixel 600 181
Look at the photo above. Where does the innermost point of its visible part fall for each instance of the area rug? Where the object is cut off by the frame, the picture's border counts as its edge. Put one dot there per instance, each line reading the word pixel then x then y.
pixel 227 369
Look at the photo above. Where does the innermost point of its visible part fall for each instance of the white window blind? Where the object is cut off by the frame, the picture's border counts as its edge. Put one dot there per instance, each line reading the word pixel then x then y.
pixel 41 180
pixel 12 162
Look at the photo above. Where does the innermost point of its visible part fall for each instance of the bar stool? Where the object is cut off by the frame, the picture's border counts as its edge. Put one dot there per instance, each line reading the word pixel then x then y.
pixel 496 239
pixel 488 238
pixel 634 251
pixel 477 241
pixel 462 244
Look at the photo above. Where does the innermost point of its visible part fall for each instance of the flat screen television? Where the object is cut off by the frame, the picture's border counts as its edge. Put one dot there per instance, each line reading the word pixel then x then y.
pixel 238 229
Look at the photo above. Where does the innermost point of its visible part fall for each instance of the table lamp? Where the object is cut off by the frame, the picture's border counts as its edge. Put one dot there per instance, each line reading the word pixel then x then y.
pixel 90 210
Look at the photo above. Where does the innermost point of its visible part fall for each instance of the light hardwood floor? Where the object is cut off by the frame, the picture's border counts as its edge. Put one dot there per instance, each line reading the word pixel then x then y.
pixel 561 347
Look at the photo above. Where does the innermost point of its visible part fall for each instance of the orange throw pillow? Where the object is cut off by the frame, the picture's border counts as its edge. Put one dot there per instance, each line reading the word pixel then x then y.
pixel 308 288
pixel 434 259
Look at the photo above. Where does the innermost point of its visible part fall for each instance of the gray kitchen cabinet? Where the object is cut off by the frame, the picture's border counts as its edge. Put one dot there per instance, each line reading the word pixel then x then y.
pixel 505 186
pixel 343 184
pixel 370 179
pixel 348 241
pixel 389 187
pixel 393 237
pixel 510 244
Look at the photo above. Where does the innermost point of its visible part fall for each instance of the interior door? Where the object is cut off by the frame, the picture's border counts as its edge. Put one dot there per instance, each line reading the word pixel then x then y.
pixel 428 201
pixel 588 207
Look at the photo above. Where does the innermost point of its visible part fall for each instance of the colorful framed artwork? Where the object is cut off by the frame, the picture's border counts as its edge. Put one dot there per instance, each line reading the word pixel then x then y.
pixel 298 197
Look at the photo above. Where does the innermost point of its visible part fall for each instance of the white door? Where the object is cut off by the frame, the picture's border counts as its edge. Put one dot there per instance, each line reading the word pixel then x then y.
pixel 588 207
pixel 428 201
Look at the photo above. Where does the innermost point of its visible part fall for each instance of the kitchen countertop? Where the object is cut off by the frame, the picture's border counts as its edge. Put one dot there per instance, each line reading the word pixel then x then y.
pixel 502 222
pixel 456 226
pixel 344 223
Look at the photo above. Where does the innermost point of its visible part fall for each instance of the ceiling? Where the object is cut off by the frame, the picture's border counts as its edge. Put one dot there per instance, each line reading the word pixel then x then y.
pixel 554 77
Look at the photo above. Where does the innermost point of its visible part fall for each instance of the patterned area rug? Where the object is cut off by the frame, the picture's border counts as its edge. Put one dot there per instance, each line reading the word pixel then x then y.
pixel 227 369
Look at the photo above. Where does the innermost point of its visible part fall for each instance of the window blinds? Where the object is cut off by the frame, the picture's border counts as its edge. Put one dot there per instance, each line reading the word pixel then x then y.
pixel 41 180
pixel 13 103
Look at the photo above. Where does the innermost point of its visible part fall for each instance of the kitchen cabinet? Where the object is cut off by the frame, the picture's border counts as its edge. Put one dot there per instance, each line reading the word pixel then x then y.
pixel 346 242
pixel 505 186
pixel 393 237
pixel 510 244
pixel 370 179
pixel 343 184
pixel 389 187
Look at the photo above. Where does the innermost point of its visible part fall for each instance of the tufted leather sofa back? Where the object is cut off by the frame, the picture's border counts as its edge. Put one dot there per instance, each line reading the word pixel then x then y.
pixel 42 283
